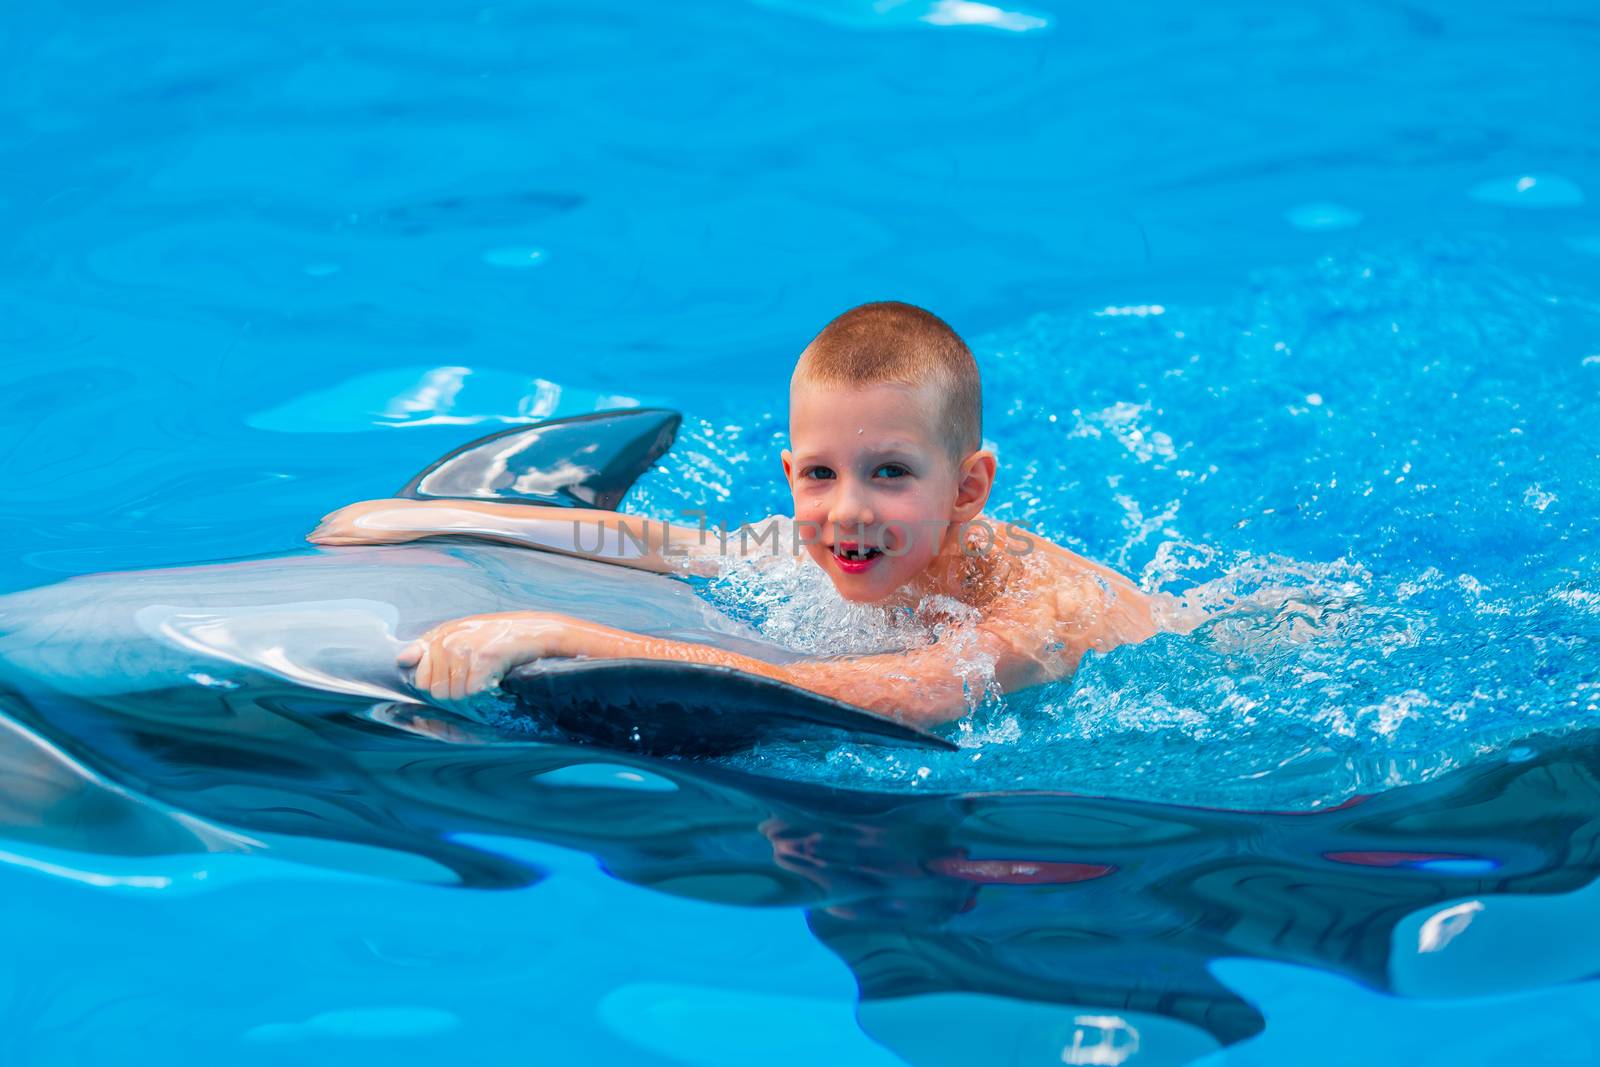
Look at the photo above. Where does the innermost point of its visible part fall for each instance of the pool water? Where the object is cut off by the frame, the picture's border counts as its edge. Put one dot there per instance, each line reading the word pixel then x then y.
pixel 1293 314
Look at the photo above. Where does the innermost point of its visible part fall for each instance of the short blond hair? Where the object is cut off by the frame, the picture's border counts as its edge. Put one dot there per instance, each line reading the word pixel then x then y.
pixel 889 342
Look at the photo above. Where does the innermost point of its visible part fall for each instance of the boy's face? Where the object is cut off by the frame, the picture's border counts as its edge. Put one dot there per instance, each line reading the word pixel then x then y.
pixel 875 490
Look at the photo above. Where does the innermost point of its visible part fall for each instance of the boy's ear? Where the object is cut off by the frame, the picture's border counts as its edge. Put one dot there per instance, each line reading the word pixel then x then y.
pixel 788 466
pixel 974 480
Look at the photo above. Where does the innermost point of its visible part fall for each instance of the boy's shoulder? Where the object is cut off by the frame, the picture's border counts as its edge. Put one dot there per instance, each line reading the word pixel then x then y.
pixel 1061 593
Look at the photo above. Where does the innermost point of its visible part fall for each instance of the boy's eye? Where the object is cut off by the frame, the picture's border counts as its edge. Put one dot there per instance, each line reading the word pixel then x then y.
pixel 890 470
pixel 817 472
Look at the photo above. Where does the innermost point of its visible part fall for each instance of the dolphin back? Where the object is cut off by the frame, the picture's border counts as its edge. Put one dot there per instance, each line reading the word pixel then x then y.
pixel 332 620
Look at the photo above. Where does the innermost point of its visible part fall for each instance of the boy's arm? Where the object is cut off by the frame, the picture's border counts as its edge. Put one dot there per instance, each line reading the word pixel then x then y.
pixel 923 686
pixel 631 540
pixel 934 684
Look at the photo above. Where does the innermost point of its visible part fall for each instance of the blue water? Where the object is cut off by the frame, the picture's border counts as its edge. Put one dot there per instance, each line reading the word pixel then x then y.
pixel 1293 313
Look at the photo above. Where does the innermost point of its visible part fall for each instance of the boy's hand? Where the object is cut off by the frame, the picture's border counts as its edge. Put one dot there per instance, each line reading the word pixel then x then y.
pixel 371 522
pixel 462 658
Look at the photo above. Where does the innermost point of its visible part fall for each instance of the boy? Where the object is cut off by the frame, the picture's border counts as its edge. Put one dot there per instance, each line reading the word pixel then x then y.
pixel 889 479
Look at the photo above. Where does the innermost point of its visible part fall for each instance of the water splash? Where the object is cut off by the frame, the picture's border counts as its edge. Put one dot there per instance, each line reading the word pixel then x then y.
pixel 1347 485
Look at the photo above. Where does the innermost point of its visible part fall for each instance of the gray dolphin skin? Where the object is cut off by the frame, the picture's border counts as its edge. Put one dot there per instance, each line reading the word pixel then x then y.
pixel 334 619
pixel 586 460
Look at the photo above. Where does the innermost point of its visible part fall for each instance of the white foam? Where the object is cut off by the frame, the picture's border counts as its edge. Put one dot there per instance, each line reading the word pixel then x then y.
pixel 447 395
pixel 1529 190
pixel 955 14
pixel 514 258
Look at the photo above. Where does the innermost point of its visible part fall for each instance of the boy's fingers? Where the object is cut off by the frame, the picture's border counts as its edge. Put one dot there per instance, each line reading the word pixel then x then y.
pixel 482 677
pixel 460 665
pixel 424 673
pixel 439 680
pixel 409 655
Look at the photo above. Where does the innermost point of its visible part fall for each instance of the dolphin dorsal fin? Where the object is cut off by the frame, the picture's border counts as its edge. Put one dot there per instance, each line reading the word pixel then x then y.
pixel 586 461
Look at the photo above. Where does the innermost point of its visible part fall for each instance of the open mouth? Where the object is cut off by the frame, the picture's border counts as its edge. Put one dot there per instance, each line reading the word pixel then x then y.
pixel 853 557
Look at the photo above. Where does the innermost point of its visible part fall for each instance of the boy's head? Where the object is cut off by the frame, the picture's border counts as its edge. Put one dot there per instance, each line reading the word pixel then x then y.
pixel 885 459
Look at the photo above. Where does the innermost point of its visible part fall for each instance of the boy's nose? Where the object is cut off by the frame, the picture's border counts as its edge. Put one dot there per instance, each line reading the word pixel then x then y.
pixel 851 513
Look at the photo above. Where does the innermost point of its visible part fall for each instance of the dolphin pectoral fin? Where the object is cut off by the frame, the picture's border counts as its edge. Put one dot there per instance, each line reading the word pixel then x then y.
pixel 690 709
pixel 585 461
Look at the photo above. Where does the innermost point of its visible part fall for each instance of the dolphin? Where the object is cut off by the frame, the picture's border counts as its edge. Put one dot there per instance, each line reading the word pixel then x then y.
pixel 334 619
